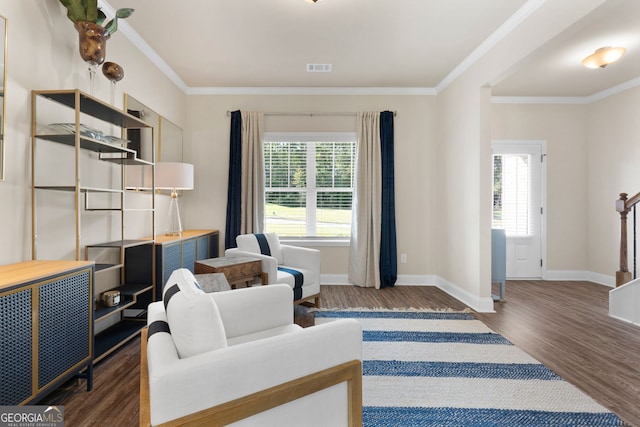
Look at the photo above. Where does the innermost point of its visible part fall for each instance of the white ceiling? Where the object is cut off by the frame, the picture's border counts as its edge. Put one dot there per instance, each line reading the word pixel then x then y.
pixel 556 68
pixel 370 43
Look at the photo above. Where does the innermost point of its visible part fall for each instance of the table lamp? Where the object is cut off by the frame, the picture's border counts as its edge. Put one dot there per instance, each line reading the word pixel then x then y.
pixel 174 176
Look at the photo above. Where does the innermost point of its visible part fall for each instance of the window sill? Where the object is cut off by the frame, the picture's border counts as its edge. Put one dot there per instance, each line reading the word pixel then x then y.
pixel 315 242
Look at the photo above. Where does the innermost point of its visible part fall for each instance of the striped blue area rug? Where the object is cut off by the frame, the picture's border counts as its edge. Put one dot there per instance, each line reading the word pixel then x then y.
pixel 448 369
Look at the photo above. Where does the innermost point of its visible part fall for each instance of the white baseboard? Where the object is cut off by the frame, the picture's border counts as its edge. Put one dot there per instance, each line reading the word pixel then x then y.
pixel 602 279
pixel 416 280
pixel 622 319
pixel 624 302
pixel 581 275
pixel 479 304
pixel 334 279
pixel 566 275
pixel 483 305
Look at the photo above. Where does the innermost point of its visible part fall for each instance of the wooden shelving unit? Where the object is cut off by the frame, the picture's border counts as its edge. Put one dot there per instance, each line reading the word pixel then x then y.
pixel 82 111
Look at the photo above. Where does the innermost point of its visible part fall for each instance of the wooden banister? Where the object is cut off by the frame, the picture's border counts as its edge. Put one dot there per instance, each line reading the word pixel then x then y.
pixel 629 203
pixel 623 206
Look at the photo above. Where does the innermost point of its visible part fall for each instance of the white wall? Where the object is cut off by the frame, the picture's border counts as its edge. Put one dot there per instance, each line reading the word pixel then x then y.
pixel 613 135
pixel 464 138
pixel 593 155
pixel 43 54
pixel 463 261
pixel 563 127
pixel 416 179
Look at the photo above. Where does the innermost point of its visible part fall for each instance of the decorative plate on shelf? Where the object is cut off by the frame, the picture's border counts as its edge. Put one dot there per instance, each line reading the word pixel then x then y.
pixel 113 140
pixel 89 132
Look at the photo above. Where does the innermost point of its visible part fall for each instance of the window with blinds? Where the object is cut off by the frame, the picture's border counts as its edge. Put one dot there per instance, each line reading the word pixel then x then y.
pixel 511 193
pixel 309 181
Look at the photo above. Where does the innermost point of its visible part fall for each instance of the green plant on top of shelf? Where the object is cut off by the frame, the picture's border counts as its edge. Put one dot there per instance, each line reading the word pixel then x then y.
pixel 88 11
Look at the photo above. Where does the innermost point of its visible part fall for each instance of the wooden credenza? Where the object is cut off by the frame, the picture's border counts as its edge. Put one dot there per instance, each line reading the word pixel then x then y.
pixel 173 252
pixel 46 327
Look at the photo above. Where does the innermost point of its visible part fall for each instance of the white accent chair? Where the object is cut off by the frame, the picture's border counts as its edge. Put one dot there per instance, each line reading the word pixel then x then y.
pixel 236 358
pixel 278 258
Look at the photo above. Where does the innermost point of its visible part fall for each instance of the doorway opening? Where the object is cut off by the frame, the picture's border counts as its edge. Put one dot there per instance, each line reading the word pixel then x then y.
pixel 518 208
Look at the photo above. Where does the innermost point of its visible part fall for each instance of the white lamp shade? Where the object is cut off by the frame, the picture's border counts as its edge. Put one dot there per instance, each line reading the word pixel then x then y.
pixel 174 176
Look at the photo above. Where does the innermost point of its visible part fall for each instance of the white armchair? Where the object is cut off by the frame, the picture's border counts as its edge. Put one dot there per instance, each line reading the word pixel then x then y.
pixel 296 266
pixel 236 358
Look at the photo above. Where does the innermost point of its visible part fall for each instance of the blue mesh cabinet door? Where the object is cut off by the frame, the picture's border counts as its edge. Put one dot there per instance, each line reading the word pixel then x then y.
pixel 202 251
pixel 15 347
pixel 64 327
pixel 213 245
pixel 207 246
pixel 189 254
pixel 170 260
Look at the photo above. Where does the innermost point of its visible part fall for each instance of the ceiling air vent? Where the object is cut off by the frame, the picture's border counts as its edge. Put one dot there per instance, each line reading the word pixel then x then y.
pixel 318 68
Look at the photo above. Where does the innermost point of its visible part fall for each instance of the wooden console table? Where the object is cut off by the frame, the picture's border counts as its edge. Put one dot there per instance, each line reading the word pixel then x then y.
pixel 236 269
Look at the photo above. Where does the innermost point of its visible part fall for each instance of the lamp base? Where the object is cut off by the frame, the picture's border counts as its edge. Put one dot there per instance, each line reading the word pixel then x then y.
pixel 173 224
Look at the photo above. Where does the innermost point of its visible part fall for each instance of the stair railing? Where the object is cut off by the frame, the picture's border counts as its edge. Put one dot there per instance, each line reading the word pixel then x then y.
pixel 624 205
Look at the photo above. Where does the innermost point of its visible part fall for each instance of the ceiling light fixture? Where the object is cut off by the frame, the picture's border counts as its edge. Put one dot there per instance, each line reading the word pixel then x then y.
pixel 311 1
pixel 603 57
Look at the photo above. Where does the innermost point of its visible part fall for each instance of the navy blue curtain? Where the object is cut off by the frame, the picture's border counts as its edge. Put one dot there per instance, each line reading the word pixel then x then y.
pixel 388 246
pixel 234 191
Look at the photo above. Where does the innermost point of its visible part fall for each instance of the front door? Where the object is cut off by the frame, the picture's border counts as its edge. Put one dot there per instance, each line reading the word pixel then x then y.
pixel 517 204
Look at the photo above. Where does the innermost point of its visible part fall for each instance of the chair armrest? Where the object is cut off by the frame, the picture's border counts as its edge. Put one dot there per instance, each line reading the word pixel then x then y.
pixel 193 384
pixel 269 263
pixel 296 256
pixel 249 310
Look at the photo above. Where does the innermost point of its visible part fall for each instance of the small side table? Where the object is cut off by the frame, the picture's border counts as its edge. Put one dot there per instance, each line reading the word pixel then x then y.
pixel 213 282
pixel 236 269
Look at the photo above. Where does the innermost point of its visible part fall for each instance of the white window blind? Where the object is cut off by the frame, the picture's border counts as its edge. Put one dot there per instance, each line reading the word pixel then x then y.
pixel 511 193
pixel 309 183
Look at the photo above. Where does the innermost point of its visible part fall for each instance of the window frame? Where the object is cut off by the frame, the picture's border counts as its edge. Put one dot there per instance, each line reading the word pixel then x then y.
pixel 307 137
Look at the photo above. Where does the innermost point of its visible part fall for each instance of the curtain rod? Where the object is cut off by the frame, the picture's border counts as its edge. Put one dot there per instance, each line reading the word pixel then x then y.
pixel 309 114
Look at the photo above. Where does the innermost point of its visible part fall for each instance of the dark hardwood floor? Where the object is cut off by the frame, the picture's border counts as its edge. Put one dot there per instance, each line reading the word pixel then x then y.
pixel 564 325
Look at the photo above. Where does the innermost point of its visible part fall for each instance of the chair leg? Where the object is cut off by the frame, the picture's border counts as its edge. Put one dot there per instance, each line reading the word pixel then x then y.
pixel 308 302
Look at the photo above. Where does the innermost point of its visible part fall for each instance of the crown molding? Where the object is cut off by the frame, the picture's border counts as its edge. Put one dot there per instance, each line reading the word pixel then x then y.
pixel 481 50
pixel 144 47
pixel 135 38
pixel 498 35
pixel 577 100
pixel 539 100
pixel 310 91
pixel 629 84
